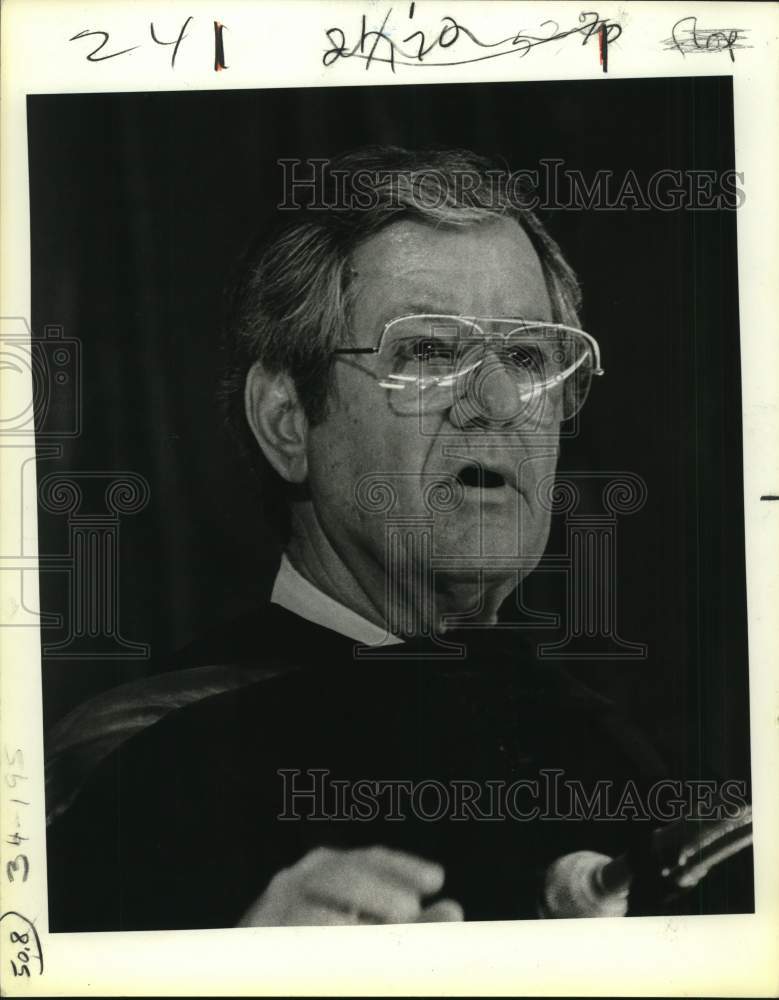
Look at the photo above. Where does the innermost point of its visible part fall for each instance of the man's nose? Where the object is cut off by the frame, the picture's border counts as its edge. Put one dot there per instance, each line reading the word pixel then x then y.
pixel 489 395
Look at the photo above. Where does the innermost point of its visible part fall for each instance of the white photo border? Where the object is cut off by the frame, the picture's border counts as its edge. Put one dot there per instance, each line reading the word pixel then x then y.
pixel 273 44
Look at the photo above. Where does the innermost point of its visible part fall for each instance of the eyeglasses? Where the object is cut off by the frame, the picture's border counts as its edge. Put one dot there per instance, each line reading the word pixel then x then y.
pixel 430 362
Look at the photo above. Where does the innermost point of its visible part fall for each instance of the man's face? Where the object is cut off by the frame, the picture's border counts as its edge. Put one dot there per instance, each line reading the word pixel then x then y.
pixel 486 270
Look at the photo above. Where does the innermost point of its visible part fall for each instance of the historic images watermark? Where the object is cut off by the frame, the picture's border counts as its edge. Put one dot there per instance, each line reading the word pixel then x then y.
pixel 315 794
pixel 43 413
pixel 312 184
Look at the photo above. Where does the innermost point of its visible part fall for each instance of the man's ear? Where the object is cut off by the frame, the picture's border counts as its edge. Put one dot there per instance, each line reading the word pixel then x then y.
pixel 278 421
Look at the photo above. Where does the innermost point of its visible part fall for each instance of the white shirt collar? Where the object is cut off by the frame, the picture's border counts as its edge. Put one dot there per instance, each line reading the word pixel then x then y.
pixel 292 591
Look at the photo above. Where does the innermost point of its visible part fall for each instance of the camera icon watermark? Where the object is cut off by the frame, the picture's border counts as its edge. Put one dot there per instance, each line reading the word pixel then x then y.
pixel 51 365
pixel 41 410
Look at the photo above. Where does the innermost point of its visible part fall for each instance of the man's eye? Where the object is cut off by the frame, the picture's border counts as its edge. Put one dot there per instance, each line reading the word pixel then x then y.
pixel 524 358
pixel 424 350
pixel 543 359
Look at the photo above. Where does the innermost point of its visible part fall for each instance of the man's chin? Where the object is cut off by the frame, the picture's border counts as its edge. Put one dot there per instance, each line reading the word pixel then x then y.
pixel 492 548
pixel 486 575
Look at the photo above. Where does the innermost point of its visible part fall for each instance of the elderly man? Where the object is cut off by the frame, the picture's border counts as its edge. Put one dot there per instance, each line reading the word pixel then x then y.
pixel 414 345
pixel 401 364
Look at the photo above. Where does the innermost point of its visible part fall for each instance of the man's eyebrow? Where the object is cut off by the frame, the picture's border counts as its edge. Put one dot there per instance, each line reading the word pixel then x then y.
pixel 413 308
pixel 423 307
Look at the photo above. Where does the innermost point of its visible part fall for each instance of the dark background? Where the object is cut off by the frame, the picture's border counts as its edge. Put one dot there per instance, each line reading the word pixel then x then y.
pixel 141 202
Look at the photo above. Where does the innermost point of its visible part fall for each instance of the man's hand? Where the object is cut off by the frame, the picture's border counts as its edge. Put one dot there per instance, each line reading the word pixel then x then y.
pixel 372 885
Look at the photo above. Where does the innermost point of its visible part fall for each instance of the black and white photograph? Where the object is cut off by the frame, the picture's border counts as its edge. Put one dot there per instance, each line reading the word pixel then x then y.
pixel 386 447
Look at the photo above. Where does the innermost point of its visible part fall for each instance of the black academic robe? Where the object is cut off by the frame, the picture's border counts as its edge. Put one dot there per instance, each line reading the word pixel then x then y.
pixel 182 826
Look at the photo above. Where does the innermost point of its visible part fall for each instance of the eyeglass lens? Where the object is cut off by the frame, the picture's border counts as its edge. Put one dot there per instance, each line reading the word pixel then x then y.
pixel 429 363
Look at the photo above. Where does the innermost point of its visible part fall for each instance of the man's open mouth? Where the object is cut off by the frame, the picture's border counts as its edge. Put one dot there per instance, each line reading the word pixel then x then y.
pixel 473 475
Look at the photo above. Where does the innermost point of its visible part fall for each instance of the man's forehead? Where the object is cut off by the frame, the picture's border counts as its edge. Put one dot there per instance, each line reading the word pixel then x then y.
pixel 410 243
pixel 488 267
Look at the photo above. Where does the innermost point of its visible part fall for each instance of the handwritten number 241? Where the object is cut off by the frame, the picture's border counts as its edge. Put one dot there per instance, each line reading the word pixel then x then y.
pixel 94 55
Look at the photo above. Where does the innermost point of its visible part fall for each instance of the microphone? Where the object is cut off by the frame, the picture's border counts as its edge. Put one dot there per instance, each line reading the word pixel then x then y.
pixel 671 860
